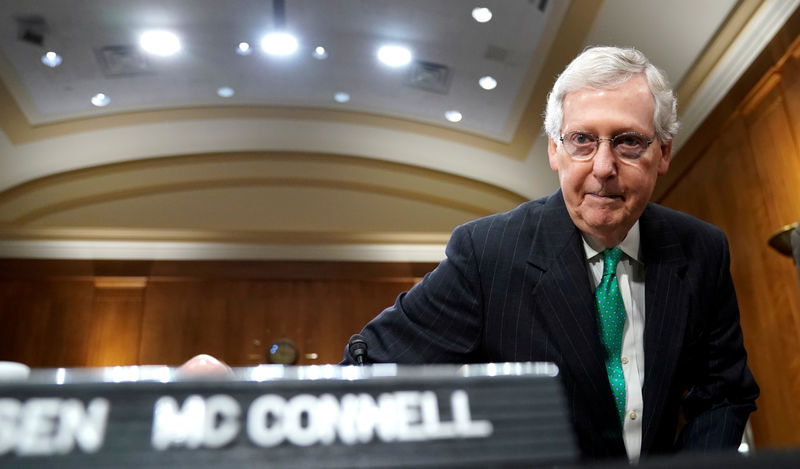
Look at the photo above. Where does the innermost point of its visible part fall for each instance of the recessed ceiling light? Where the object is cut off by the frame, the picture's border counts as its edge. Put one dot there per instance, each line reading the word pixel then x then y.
pixel 51 59
pixel 225 92
pixel 161 43
pixel 244 49
pixel 341 97
pixel 100 100
pixel 279 44
pixel 453 116
pixel 487 83
pixel 320 53
pixel 481 14
pixel 394 56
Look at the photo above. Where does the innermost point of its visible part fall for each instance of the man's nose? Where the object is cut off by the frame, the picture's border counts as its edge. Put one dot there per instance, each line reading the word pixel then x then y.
pixel 605 161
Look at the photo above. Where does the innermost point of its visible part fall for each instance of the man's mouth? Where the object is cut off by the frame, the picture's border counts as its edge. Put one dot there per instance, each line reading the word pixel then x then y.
pixel 603 195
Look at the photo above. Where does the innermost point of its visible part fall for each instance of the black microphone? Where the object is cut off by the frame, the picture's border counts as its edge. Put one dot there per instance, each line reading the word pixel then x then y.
pixel 358 349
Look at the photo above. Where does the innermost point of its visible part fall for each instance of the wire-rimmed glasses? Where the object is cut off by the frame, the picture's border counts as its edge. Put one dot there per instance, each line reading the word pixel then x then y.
pixel 582 145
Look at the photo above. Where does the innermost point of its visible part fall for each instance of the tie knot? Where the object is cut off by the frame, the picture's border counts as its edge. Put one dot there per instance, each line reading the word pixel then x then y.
pixel 610 260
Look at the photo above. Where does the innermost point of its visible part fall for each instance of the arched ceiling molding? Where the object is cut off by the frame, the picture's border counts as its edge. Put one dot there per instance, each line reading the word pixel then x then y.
pixel 42 204
pixel 92 148
pixel 56 206
pixel 229 237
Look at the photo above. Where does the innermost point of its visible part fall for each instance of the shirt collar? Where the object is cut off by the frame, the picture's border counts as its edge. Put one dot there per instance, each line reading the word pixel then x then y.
pixel 630 245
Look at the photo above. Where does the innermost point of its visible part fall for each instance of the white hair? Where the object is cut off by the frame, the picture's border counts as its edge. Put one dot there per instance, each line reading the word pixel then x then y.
pixel 609 68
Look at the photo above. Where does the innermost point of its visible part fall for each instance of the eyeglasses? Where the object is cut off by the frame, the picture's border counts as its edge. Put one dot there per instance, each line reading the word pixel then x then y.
pixel 628 145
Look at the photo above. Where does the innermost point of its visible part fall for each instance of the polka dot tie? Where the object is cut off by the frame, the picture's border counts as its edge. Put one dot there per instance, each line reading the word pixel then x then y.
pixel 611 312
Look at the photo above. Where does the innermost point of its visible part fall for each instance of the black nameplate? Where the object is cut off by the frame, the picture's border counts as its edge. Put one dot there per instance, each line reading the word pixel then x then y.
pixel 419 417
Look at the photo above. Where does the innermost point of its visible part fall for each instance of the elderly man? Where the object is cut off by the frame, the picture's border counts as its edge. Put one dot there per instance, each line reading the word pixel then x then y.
pixel 633 301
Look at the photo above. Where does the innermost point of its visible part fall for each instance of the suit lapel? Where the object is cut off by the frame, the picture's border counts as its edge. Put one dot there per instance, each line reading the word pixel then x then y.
pixel 666 309
pixel 563 296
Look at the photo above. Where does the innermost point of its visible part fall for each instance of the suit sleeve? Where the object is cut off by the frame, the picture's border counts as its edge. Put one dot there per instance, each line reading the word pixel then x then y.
pixel 723 394
pixel 439 320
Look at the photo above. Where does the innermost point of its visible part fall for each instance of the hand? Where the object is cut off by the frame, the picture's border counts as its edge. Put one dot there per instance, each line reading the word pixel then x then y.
pixel 204 365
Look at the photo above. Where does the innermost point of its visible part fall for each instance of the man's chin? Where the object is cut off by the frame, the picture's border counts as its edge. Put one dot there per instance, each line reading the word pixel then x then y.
pixel 602 224
pixel 604 220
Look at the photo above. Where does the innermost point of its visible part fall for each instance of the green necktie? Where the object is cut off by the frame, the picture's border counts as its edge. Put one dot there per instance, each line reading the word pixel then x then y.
pixel 611 313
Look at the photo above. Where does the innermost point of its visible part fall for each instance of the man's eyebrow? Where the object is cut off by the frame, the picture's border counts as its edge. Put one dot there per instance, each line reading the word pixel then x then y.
pixel 621 130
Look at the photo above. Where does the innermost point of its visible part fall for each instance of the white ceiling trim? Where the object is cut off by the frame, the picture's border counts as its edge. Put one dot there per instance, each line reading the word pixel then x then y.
pixel 761 28
pixel 139 250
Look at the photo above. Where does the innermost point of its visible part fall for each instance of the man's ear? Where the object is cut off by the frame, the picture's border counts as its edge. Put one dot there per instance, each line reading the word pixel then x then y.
pixel 666 157
pixel 552 153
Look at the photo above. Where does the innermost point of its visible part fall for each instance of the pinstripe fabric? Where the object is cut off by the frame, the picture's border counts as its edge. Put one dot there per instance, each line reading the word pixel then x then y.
pixel 514 287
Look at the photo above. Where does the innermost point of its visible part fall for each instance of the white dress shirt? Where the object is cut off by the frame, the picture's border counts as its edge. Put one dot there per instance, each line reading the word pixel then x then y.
pixel 630 275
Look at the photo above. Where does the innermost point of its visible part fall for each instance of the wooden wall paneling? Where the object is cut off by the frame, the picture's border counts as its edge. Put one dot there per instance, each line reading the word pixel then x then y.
pixel 116 327
pixel 278 270
pixel 776 147
pixel 181 319
pixel 61 323
pixel 158 335
pixel 247 319
pixel 206 322
pixel 21 320
pixel 326 315
pixel 358 301
pixel 749 224
pixel 238 320
pixel 92 316
pixel 81 313
pixel 317 315
pixel 778 161
pixel 286 304
pixel 745 223
pixel 718 175
pixel 291 307
pixel 747 183
pixel 790 85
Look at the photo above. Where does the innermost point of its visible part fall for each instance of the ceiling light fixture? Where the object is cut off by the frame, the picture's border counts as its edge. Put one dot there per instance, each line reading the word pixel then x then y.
pixel 482 14
pixel 225 92
pixel 341 97
pixel 487 83
pixel 100 100
pixel 160 43
pixel 279 44
pixel 453 116
pixel 244 49
pixel 394 56
pixel 320 53
pixel 51 59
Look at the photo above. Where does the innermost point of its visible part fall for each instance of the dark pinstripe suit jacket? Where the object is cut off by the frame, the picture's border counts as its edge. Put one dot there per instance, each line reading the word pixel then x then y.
pixel 515 287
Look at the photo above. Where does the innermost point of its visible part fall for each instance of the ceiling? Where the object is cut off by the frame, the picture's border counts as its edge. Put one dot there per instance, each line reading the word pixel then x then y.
pixel 280 170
